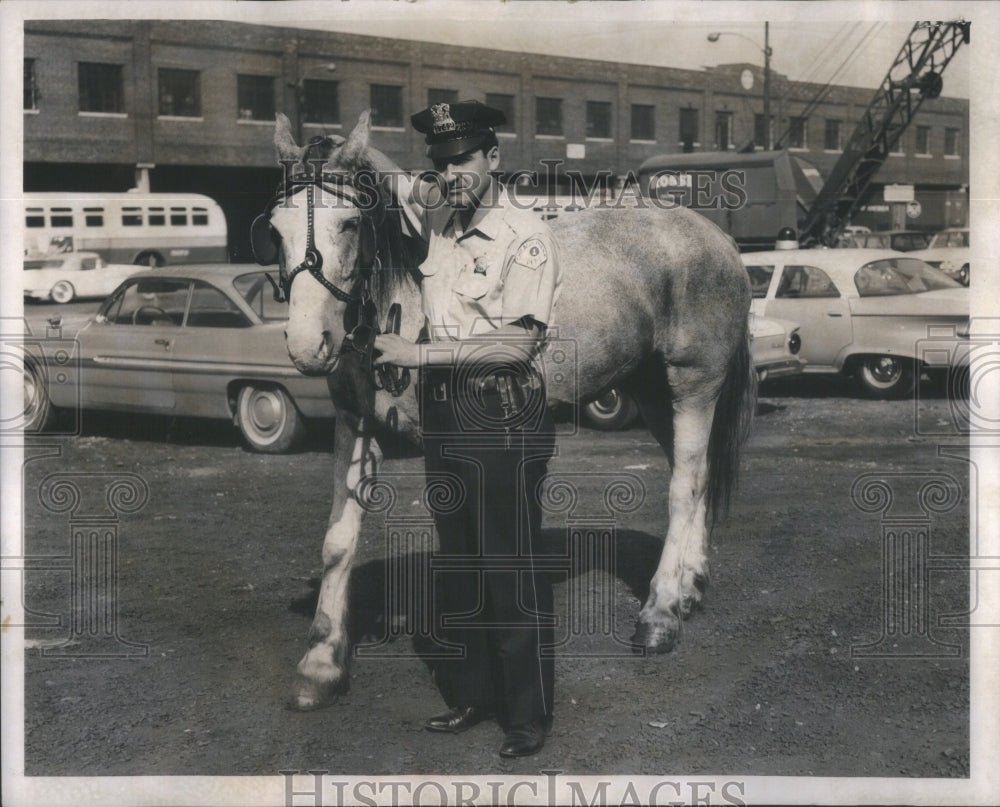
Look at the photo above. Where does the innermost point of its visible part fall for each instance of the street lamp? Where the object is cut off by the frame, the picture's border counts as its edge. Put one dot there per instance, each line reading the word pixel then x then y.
pixel 766 50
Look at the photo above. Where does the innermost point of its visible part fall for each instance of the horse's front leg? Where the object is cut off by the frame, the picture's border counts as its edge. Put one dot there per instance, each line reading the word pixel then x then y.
pixel 323 672
pixel 682 574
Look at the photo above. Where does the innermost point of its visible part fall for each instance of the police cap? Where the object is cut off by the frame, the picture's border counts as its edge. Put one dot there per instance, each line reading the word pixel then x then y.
pixel 454 129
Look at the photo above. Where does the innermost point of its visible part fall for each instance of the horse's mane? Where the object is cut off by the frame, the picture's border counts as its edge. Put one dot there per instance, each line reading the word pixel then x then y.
pixel 399 254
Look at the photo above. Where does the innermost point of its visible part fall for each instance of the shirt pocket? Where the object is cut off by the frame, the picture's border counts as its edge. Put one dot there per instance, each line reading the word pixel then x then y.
pixel 472 286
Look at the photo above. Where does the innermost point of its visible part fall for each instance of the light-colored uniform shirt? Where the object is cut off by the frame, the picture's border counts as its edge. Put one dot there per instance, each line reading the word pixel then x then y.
pixel 503 268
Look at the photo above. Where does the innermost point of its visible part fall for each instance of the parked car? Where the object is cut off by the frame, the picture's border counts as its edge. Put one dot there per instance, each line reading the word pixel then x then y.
pixel 196 340
pixel 69 276
pixel 864 312
pixel 775 351
pixel 900 240
pixel 948 251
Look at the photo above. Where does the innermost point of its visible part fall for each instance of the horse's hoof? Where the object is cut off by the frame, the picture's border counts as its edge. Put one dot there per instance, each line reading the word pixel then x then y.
pixel 654 638
pixel 308 696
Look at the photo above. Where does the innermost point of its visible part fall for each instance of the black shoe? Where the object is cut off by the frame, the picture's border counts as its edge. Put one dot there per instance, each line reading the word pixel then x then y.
pixel 459 719
pixel 524 740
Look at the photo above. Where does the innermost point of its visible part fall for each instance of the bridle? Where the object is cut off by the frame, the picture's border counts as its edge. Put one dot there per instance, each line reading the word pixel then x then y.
pixel 265 244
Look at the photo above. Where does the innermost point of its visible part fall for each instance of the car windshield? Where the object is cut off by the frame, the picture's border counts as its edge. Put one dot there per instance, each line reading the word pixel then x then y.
pixel 258 292
pixel 900 276
pixel 53 263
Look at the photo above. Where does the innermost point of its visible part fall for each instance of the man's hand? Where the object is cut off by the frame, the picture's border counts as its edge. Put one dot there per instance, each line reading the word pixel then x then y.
pixel 393 349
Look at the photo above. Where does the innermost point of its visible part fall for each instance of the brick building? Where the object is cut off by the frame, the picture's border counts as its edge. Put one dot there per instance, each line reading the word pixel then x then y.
pixel 189 106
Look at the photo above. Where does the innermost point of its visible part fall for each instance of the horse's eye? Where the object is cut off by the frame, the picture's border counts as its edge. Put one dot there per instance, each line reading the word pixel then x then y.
pixel 350 224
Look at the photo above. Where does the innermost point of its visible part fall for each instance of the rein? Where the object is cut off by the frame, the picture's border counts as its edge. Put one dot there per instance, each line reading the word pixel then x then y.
pixel 362 336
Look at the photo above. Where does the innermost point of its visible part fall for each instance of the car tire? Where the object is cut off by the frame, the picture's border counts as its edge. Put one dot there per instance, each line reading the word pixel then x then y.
pixel 885 377
pixel 38 410
pixel 963 275
pixel 62 292
pixel 613 411
pixel 268 419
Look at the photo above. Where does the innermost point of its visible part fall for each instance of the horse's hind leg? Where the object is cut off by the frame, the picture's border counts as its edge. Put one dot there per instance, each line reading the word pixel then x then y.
pixel 681 422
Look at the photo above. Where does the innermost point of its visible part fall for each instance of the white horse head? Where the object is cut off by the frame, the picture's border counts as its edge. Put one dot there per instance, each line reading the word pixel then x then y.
pixel 316 315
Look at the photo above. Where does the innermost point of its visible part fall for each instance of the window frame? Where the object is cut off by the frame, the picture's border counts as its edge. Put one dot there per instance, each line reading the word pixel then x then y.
pixel 175 113
pixel 89 74
pixel 244 82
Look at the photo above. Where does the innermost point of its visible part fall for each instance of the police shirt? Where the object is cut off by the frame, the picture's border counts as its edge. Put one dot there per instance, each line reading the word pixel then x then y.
pixel 502 268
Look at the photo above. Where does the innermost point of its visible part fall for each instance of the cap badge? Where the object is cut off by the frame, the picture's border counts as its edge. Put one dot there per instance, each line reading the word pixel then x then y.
pixel 442 118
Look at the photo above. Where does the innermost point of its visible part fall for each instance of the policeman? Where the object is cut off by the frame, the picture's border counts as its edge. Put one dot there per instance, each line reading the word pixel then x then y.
pixel 490 280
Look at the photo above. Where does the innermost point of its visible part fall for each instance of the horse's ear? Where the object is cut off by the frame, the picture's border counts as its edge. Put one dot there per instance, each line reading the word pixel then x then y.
pixel 351 153
pixel 284 141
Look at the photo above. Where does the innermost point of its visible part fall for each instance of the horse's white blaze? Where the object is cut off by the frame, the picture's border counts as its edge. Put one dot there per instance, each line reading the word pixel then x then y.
pixel 315 328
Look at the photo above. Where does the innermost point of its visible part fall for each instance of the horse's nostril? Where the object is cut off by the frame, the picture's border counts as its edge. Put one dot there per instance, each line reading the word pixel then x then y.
pixel 324 346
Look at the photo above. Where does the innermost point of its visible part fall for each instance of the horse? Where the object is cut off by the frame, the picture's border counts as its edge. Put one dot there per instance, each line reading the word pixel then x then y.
pixel 655 300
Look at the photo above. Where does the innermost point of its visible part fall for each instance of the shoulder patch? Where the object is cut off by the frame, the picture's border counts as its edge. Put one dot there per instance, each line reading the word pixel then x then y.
pixel 532 254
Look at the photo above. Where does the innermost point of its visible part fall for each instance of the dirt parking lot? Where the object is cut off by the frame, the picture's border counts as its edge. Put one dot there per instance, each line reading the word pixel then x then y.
pixel 786 671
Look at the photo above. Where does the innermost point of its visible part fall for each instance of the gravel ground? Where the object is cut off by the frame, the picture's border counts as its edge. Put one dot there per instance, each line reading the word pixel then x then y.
pixel 217 577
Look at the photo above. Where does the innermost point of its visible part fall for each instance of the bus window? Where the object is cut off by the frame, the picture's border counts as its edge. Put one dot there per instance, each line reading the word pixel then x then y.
pixel 93 216
pixel 156 217
pixel 61 217
pixel 132 216
pixel 34 217
pixel 178 216
pixel 199 216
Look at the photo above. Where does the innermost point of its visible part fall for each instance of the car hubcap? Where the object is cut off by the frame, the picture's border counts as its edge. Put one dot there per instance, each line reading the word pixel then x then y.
pixel 266 412
pixel 884 369
pixel 608 403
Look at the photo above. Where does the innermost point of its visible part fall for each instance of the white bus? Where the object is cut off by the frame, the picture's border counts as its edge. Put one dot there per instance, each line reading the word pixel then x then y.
pixel 152 229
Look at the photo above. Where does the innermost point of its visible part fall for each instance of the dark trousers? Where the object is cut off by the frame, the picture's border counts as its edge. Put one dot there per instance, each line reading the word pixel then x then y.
pixel 491 602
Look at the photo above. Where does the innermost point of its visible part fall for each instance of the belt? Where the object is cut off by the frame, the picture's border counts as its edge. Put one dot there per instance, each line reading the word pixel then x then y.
pixel 505 385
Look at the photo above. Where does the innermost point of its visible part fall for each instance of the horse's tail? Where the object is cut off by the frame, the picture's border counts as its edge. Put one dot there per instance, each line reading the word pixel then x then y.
pixel 734 410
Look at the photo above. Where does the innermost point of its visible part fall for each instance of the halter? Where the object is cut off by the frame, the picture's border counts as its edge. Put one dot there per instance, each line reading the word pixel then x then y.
pixel 312 261
pixel 362 336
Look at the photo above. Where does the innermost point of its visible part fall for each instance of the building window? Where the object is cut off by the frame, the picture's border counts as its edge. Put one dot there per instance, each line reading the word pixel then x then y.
pixel 951 142
pixel 442 97
pixel 599 119
pixel 320 102
pixel 761 138
pixel 798 132
pixel 831 135
pixel 255 97
pixel 643 122
pixel 505 103
pixel 723 130
pixel 387 105
pixel 101 88
pixel 548 116
pixel 688 129
pixel 30 85
pixel 923 140
pixel 180 93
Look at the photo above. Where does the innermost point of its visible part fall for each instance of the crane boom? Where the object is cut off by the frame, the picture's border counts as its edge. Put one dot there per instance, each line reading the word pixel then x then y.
pixel 913 77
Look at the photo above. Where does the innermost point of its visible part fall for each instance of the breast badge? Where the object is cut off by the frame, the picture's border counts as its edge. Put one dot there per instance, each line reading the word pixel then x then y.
pixel 480 267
